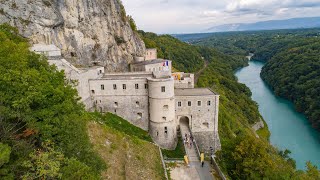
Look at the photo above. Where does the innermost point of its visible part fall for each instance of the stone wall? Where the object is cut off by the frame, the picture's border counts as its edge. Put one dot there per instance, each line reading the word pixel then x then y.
pixel 151 54
pixel 208 139
pixel 129 103
pixel 202 117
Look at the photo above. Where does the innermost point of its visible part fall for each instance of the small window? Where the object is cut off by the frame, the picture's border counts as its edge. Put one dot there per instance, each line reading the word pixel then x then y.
pixel 189 103
pixel 139 115
pixel 115 104
pixel 100 71
pixel 166 107
pixel 114 86
pixel 102 87
pixel 199 103
pixel 146 86
pixel 157 133
pixel 179 104
pixel 92 91
pixel 124 86
pixel 165 130
pixel 137 86
pixel 164 118
pixel 163 89
pixel 137 104
pixel 209 103
pixel 205 124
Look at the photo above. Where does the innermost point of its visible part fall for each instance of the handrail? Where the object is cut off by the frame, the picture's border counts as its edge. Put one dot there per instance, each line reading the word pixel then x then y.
pixel 163 164
pixel 195 144
pixel 216 166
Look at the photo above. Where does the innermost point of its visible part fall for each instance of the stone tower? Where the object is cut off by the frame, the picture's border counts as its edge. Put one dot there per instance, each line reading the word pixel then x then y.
pixel 162 125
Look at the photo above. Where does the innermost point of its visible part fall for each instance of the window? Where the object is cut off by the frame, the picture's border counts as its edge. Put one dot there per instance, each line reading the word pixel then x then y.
pixel 115 104
pixel 199 103
pixel 92 91
pixel 114 86
pixel 209 103
pixel 146 86
pixel 179 104
pixel 100 71
pixel 124 86
pixel 139 115
pixel 166 107
pixel 205 124
pixel 137 104
pixel 137 86
pixel 189 103
pixel 102 87
pixel 164 118
pixel 163 89
pixel 165 130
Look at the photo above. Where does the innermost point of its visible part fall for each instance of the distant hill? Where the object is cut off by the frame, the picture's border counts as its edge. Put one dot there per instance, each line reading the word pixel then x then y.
pixel 308 22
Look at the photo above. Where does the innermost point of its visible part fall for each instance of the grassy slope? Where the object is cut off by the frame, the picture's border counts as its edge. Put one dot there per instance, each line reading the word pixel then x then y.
pixel 125 149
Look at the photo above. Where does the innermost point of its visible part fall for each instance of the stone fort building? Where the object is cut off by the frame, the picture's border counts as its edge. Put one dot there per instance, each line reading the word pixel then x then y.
pixel 150 97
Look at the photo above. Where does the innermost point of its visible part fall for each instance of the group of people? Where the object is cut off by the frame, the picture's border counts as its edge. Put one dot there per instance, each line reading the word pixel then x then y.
pixel 188 140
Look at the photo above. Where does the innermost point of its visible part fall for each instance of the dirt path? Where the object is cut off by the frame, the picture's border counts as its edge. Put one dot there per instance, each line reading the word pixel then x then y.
pixel 197 74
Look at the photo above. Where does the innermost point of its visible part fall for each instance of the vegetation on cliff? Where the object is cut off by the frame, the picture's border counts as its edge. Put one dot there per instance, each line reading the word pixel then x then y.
pixel 40 117
pixel 186 57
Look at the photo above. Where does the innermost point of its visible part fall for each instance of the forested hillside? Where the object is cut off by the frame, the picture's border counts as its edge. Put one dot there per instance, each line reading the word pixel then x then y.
pixel 42 125
pixel 294 73
pixel 292 56
pixel 243 156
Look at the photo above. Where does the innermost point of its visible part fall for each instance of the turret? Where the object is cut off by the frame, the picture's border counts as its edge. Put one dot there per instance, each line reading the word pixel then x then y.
pixel 162 127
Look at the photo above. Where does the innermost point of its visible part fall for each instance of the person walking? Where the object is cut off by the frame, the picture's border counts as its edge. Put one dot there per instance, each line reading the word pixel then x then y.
pixel 202 159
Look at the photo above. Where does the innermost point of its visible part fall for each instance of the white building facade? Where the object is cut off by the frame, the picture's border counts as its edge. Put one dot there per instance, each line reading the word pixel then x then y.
pixel 150 97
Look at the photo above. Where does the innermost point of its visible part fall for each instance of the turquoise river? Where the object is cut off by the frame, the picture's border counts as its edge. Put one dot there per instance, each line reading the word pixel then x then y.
pixel 289 129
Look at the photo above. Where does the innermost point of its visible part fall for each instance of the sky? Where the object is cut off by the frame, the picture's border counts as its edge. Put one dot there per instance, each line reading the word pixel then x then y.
pixel 187 16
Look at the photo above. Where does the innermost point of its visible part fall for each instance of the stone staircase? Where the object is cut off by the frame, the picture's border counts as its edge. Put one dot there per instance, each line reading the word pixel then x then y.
pixel 191 152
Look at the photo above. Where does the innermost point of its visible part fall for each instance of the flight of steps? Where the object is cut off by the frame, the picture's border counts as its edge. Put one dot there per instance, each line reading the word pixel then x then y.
pixel 191 152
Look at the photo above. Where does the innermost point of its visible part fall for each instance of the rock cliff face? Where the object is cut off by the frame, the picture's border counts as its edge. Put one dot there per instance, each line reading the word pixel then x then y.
pixel 89 32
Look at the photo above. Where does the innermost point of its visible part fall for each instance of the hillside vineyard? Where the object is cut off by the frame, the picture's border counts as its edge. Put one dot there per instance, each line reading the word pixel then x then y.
pixel 150 97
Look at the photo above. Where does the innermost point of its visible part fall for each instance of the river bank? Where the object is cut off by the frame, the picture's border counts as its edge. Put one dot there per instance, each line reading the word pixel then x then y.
pixel 289 129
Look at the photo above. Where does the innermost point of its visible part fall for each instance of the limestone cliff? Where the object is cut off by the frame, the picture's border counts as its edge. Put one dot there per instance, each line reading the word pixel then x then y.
pixel 88 31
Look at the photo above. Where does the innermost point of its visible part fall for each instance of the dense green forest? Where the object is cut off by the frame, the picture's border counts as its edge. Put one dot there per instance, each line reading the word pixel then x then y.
pixel 294 73
pixel 42 126
pixel 292 56
pixel 243 156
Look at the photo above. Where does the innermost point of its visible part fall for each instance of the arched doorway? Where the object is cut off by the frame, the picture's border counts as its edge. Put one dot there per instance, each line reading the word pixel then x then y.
pixel 184 120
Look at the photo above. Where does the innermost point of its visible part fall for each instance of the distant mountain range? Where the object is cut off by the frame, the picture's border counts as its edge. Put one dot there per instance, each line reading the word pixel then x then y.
pixel 295 23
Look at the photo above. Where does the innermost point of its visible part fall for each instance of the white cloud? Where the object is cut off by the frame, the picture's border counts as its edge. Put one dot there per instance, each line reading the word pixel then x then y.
pixel 180 16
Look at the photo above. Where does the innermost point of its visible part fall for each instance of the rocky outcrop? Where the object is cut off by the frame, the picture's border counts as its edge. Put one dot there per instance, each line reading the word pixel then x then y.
pixel 89 32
